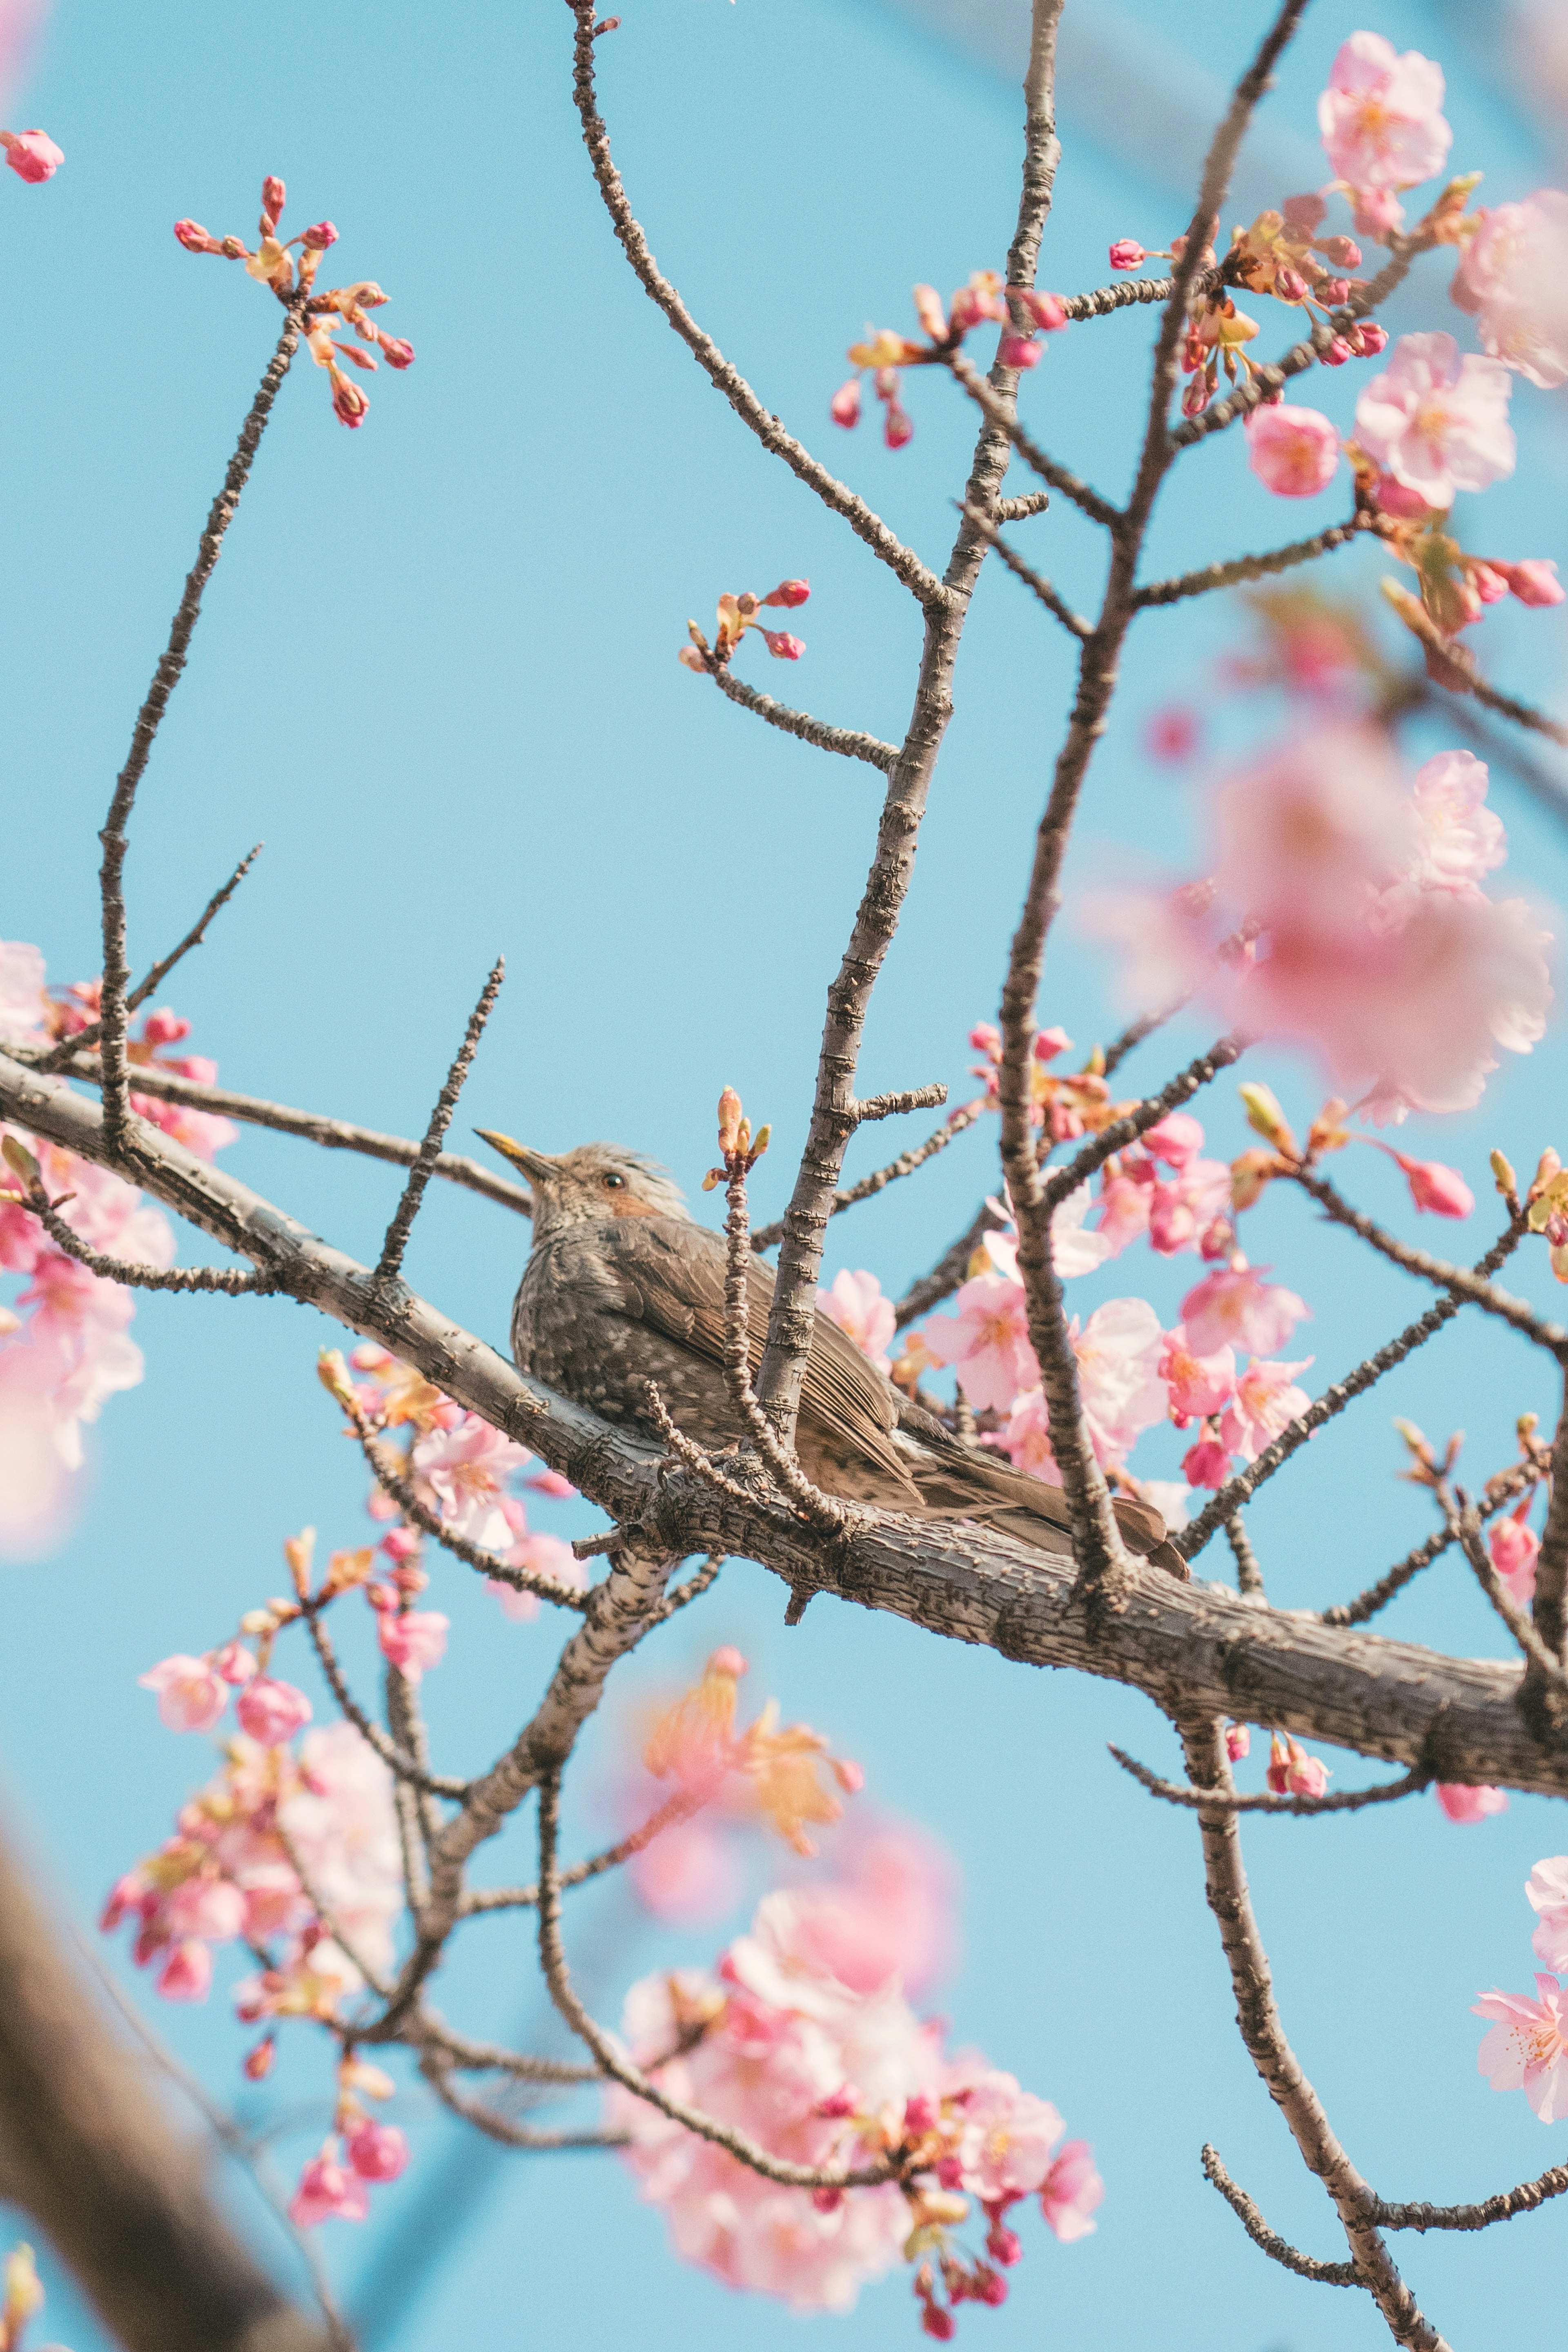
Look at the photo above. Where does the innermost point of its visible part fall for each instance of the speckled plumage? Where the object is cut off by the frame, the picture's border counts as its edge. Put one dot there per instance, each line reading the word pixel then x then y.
pixel 622 1288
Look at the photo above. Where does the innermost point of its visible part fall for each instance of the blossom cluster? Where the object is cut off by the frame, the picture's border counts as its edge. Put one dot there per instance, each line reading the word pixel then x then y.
pixel 327 314
pixel 64 1342
pixel 803 2038
pixel 736 615
pixel 987 300
pixel 1526 2048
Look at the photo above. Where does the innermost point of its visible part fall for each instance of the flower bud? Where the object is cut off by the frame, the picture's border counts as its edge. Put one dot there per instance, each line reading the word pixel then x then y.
pixel 257 2063
pixel 1343 251
pixel 194 238
pixel 333 1374
pixel 782 645
pixel 729 1121
pixel 1442 1191
pixel 297 1551
pixel 1503 1176
pixel 1289 286
pixel 931 314
pixel 320 234
pixel 1046 310
pixel 845 406
pixel 1374 338
pixel 789 594
pixel 1016 350
pixel 1265 1117
pixel 21 1162
pixel 1304 213
pixel 1238 1741
pixel 1337 353
pixel 349 404
pixel 32 154
pixel 1127 254
pixel 273 199
pixel 396 350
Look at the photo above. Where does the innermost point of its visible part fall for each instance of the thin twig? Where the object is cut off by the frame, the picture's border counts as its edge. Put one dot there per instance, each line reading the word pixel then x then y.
pixel 408 1208
pixel 1466 1287
pixel 553 1960
pixel 1460 675
pixel 497 2127
pixel 1249 567
pixel 84 1038
pixel 999 413
pixel 1504 2207
pixel 232 1282
pixel 1278 2250
pixel 1500 1492
pixel 1217 1512
pixel 951 1268
pixel 825 1513
pixel 1343 1800
pixel 436 1784
pixel 848 741
pixel 693 1589
pixel 1055 604
pixel 1064 1182
pixel 418 1514
pixel 1464 1524
pixel 1102 300
pixel 674 1810
pixel 1249 1575
pixel 165 678
pixel 765 1236
pixel 1550 1606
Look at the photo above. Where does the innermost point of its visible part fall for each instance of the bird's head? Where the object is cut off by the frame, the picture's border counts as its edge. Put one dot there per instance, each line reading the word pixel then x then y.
pixel 596 1180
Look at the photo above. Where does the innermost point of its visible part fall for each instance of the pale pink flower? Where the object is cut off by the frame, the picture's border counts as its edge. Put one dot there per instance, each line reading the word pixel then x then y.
pixel 1266 1402
pixel 1073 1251
pixel 376 2151
pixel 1071 2191
pixel 209 1907
pixel 1008 2135
pixel 1294 451
pixel 1437 419
pixel 200 1131
pixel 32 154
pixel 1513 1547
pixel 1307 833
pixel 1459 837
pixel 414 1640
pixel 1292 1771
pixel 1463 1803
pixel 329 2190
pixel 986 1341
pixel 1526 2047
pixel 1028 1437
pixel 1381 117
pixel 1198 1385
pixel 235 1662
pixel 22 971
pixel 1177 1139
pixel 1118 1353
pixel 1234 1306
pixel 855 1302
pixel 344 1826
pixel 886 1915
pixel 1547 1888
pixel 467 1468
pixel 272 1711
pixel 192 1693
pixel 691 1875
pixel 188 1973
pixel 1514 280
pixel 1238 1741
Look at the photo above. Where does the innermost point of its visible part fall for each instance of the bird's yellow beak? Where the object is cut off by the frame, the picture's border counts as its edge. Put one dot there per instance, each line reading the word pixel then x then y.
pixel 537 1166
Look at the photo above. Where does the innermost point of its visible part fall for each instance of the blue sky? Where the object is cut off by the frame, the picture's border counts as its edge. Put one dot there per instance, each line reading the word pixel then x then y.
pixel 437 675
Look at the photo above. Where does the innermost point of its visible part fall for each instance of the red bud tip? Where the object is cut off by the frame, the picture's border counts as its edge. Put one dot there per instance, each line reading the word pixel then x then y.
pixel 317 239
pixel 1127 254
pixel 789 594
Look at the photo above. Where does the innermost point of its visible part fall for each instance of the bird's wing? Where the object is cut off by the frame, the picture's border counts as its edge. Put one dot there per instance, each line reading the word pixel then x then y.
pixel 676 1270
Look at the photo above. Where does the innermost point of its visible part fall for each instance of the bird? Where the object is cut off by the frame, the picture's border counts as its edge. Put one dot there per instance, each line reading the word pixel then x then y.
pixel 624 1287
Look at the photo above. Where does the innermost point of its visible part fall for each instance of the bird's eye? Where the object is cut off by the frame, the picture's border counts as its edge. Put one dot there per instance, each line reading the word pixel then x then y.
pixel 613 1183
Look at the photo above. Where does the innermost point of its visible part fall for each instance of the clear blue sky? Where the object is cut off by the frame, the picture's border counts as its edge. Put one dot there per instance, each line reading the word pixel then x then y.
pixel 436 673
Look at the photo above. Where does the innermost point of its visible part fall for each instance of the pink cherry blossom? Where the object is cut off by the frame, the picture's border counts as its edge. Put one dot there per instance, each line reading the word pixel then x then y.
pixel 1118 1353
pixel 1527 2046
pixel 1381 116
pixel 1207 1463
pixel 1177 1139
pixel 1462 1804
pixel 1459 839
pixel 344 1826
pixel 1513 1547
pixel 855 1302
pixel 1071 2191
pixel 376 2151
pixel 1532 581
pixel 192 1693
pixel 31 154
pixel 691 1875
pixel 329 2190
pixel 188 1973
pixel 413 1640
pixel 1437 419
pixel 465 1468
pixel 845 406
pixel 1294 451
pixel 1198 1385
pixel 1306 834
pixel 1514 280
pixel 272 1711
pixel 986 1341
pixel 1266 1402
pixel 1234 1307
pixel 1008 2135
pixel 209 1907
pixel 1127 254
pixel 1547 1889
pixel 235 1662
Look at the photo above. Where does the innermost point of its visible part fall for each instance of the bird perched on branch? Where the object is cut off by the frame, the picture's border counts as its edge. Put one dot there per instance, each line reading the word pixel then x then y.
pixel 623 1286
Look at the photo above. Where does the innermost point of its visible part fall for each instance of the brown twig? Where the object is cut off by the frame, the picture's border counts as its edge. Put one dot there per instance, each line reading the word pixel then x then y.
pixel 1102 300
pixel 674 1810
pixel 1237 568
pixel 1248 1574
pixel 165 678
pixel 1063 1182
pixel 1277 2249
pixel 1460 675
pixel 497 2127
pixel 905 1164
pixel 998 414
pixel 1343 1800
pixel 825 1513
pixel 1547 1610
pixel 419 1514
pixel 1055 604
pixel 1505 2206
pixel 429 1151
pixel 231 1282
pixel 436 1784
pixel 848 741
pixel 1470 1288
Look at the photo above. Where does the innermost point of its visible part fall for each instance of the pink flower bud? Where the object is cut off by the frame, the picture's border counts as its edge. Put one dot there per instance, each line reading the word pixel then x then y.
pixel 850 1776
pixel 1307 1776
pixel 782 645
pixel 1442 1190
pixel 1046 310
pixel 827 2200
pixel 350 406
pixel 728 1659
pixel 1290 286
pixel 317 239
pixel 124 1898
pixel 272 1712
pixel 919 2115
pixel 413 1639
pixel 1003 2245
pixel 1343 251
pixel 194 238
pixel 1377 212
pixel 192 1694
pixel 328 2191
pixel 940 2324
pixel 1533 582
pixel 1371 338
pixel 790 593
pixel 32 154
pixel 1337 353
pixel 164 1028
pixel 1305 213
pixel 396 350
pixel 257 2065
pixel 837 2104
pixel 1127 254
pixel 990 2287
pixel 1238 1741
pixel 273 198
pixel 377 2152
pixel 845 406
pixel 931 314
pixel 1294 451
pixel 1468 1804
pixel 402 1544
pixel 1207 1463
pixel 1195 395
pixel 1490 585
pixel 1019 352
pixel 188 1973
pixel 1398 499
pixel 211 1907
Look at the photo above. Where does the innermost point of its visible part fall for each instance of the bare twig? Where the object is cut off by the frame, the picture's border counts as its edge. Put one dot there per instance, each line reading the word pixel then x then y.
pixel 1249 1575
pixel 1504 2207
pixel 998 413
pixel 497 2127
pixel 165 678
pixel 154 980
pixel 765 1236
pixel 1102 300
pixel 951 1268
pixel 675 1809
pixel 1064 1181
pixel 232 1282
pixel 436 1784
pixel 408 1208
pixel 1055 604
pixel 849 740
pixel 1343 1800
pixel 418 1514
pixel 825 1513
pixel 1470 1288
pixel 1460 675
pixel 1278 2250
pixel 1464 1525
pixel 1248 567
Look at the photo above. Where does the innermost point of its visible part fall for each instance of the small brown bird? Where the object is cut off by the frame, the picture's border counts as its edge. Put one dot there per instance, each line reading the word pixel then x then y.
pixel 622 1286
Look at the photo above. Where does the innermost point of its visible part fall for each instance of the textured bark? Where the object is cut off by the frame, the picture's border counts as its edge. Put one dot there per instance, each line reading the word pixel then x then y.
pixel 87 2151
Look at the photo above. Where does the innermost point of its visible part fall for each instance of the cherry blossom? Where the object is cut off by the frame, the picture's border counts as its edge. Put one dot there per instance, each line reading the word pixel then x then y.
pixel 1197 1385
pixel 1527 2045
pixel 1071 2191
pixel 1437 419
pixel 21 999
pixel 272 1711
pixel 1118 1353
pixel 986 1341
pixel 188 1973
pixel 1547 1890
pixel 1381 116
pixel 1459 838
pixel 192 1693
pixel 1234 1306
pixel 1514 280
pixel 855 1302
pixel 542 1556
pixel 1294 451
pixel 1460 1803
pixel 1266 1402
pixel 465 1469
pixel 1513 1547
pixel 329 2190
pixel 1442 1191
pixel 377 2152
pixel 1291 1772
pixel 413 1640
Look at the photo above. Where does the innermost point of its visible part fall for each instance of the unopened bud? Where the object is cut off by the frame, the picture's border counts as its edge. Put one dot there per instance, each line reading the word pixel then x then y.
pixel 1502 1173
pixel 257 2063
pixel 258 1621
pixel 782 645
pixel 1550 1165
pixel 298 1551
pixel 21 1162
pixel 1046 310
pixel 1266 1119
pixel 1417 1440
pixel 789 594
pixel 317 239
pixel 729 1119
pixel 765 1136
pixel 273 198
pixel 1249 1175
pixel 333 1375
pixel 1527 1424
pixel 1126 253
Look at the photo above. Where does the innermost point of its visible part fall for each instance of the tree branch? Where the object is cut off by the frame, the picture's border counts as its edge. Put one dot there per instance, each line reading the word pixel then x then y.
pixel 845 740
pixel 1343 1800
pixel 429 1151
pixel 1249 567
pixel 905 1164
pixel 1278 2250
pixel 1468 1288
